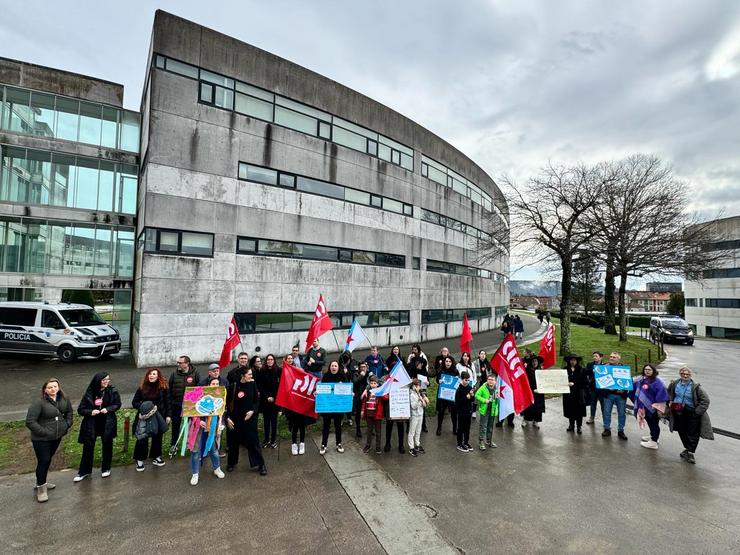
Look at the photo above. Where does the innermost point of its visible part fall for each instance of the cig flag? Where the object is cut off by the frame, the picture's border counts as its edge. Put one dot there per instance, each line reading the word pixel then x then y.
pixel 514 391
pixel 355 337
pixel 547 347
pixel 467 337
pixel 320 324
pixel 232 342
pixel 297 391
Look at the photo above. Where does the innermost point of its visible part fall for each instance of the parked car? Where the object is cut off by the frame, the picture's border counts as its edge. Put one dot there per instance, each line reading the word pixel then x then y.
pixel 65 330
pixel 671 329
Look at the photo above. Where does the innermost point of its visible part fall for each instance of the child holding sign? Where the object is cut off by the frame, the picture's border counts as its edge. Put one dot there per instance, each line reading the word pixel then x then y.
pixel 372 412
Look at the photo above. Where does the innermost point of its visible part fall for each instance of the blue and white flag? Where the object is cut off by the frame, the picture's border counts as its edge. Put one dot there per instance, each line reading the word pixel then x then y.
pixel 355 337
pixel 397 378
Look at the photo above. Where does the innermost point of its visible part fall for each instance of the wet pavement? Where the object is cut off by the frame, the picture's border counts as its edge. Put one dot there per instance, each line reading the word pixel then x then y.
pixel 540 491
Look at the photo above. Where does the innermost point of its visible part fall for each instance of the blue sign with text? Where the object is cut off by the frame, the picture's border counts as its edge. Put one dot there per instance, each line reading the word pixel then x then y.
pixel 447 387
pixel 613 377
pixel 333 397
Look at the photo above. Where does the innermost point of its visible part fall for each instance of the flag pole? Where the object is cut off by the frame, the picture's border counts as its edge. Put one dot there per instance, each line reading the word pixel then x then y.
pixel 339 350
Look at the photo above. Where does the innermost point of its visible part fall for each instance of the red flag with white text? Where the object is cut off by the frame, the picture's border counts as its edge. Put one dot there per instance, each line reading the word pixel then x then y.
pixel 515 393
pixel 467 337
pixel 232 342
pixel 297 391
pixel 547 347
pixel 320 324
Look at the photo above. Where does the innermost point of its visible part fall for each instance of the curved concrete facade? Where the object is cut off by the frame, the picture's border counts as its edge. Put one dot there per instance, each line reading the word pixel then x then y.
pixel 192 153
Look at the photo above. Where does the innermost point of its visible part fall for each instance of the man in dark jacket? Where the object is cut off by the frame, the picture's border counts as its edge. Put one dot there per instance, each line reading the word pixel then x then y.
pixel 235 374
pixel 315 359
pixel 184 376
pixel 591 381
pixel 214 372
pixel 359 381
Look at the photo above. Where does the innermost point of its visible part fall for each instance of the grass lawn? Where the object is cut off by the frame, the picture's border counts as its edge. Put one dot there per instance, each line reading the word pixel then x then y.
pixel 16 451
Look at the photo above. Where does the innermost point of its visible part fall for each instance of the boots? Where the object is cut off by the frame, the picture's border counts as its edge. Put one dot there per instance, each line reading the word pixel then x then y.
pixel 41 495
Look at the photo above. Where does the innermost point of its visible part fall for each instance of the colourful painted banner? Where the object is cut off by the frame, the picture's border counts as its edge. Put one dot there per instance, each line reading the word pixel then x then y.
pixel 204 401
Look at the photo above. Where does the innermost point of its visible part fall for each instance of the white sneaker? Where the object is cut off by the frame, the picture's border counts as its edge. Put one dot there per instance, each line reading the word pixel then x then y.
pixel 322 450
pixel 649 444
pixel 648 438
pixel 219 473
pixel 301 448
pixel 294 449
pixel 105 473
pixel 139 466
pixel 80 477
pixel 194 480
pixel 340 449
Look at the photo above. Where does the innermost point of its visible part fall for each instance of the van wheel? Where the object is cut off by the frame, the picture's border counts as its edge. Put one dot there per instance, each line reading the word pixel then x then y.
pixel 66 353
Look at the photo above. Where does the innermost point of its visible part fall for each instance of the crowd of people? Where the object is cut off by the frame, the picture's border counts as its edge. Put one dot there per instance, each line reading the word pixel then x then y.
pixel 252 389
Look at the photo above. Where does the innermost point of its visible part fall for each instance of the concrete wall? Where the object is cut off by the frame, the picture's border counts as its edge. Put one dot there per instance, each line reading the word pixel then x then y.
pixel 189 182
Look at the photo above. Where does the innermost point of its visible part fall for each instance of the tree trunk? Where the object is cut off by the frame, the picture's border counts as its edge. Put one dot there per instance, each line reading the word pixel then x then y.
pixel 609 327
pixel 566 288
pixel 622 308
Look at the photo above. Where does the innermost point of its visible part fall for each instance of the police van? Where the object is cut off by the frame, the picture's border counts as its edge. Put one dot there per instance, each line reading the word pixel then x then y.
pixel 65 330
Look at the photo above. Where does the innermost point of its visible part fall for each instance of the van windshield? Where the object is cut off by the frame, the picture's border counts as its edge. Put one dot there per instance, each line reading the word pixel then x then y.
pixel 676 324
pixel 82 317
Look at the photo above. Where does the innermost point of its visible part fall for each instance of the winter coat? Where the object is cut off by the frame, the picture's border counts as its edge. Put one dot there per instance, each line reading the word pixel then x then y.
pixel 222 382
pixel 701 404
pixel 111 401
pixel 149 422
pixel 319 360
pixel 574 403
pixel 482 395
pixel 49 419
pixel 241 398
pixel 375 365
pixel 463 403
pixel 379 412
pixel 179 380
pixel 359 383
pixel 161 401
pixel 268 382
pixel 482 370
pixel 646 392
pixel 417 406
pixel 538 406
pixel 518 325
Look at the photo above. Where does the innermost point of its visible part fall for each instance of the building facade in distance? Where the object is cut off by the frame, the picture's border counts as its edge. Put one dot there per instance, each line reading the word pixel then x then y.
pixel 68 187
pixel 713 305
pixel 264 184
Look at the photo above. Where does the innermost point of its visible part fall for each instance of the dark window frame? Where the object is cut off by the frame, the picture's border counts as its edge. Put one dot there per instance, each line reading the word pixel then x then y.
pixel 157 245
pixel 342 320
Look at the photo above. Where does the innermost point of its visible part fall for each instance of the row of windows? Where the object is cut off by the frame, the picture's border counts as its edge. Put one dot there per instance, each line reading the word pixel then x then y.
pixel 60 117
pixel 713 303
pixel 721 273
pixel 435 316
pixel 268 176
pixel 268 247
pixel 725 333
pixel 450 268
pixel 231 94
pixel 40 177
pixel 443 175
pixel 173 241
pixel 722 245
pixel 249 322
pixel 53 247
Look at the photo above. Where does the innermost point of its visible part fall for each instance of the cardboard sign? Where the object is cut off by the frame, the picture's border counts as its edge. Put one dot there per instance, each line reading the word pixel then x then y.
pixel 613 377
pixel 447 387
pixel 552 381
pixel 399 403
pixel 204 401
pixel 333 397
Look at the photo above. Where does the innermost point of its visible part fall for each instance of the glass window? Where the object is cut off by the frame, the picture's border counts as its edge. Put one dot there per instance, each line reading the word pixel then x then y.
pixel 324 130
pixel 255 91
pixel 254 107
pixel 395 157
pixel 67 118
pixel 435 175
pixel 50 319
pixel 86 195
pixel 408 210
pixel 394 260
pixel 246 245
pixel 321 253
pixel 130 131
pixel 393 205
pixel 260 175
pixel 18 316
pixel 302 320
pixel 404 317
pixel 16 115
pixel 106 186
pixel 459 187
pixel 183 69
pixel 90 123
pixel 320 188
pixel 384 152
pixel 302 108
pixel 372 147
pixel 103 252
pixel 273 322
pixel 416 263
pixel 216 79
pixel 363 257
pixel 287 180
pixel 125 253
pixel 278 248
pixel 42 111
pixel 345 255
pixel 129 189
pixel 109 131
pixel 224 98
pixel 79 250
pixel 197 243
pixel 376 201
pixel 424 169
pixel 359 197
pixel 206 93
pixel 349 139
pixel 168 241
pixel 159 61
pixel 294 120
pixel 407 162
pixel 150 239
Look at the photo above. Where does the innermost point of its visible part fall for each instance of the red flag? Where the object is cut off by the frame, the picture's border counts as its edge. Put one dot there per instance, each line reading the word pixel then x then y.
pixel 297 391
pixel 320 324
pixel 467 336
pixel 516 395
pixel 232 342
pixel 547 347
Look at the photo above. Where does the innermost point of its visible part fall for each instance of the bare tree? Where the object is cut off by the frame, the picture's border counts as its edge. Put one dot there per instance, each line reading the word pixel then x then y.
pixel 585 278
pixel 550 217
pixel 644 227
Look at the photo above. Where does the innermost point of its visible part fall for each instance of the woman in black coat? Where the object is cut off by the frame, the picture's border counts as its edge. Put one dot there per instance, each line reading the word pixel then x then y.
pixel 533 413
pixel 153 388
pixel 242 407
pixel 49 418
pixel 574 403
pixel 98 410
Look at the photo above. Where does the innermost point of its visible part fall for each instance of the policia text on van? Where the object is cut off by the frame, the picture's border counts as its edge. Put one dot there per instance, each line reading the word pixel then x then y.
pixel 66 330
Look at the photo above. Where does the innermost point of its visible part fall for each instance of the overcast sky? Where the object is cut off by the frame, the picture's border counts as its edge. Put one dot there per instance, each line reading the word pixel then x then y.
pixel 512 84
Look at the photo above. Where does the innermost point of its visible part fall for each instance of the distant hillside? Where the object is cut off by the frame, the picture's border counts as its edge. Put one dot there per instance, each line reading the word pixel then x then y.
pixel 540 288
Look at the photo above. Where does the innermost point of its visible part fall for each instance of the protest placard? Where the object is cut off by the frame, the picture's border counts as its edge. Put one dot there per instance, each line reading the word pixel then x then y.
pixel 333 397
pixel 204 401
pixel 553 381
pixel 398 401
pixel 613 377
pixel 447 387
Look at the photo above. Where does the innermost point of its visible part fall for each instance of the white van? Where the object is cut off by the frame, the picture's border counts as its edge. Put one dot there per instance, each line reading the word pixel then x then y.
pixel 65 330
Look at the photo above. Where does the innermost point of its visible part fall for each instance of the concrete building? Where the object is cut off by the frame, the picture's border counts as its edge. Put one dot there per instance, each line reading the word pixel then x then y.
pixel 664 286
pixel 68 183
pixel 647 301
pixel 264 184
pixel 713 304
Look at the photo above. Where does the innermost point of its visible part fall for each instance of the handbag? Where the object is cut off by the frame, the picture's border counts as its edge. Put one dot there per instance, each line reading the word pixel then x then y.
pixel 677 407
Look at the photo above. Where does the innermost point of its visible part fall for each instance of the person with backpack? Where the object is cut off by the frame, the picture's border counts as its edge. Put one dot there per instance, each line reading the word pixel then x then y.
pixel 98 411
pixel 153 388
pixel 184 376
pixel 372 412
pixel 49 418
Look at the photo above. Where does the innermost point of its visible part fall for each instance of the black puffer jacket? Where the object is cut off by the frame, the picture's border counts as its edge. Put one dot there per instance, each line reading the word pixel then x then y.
pixel 160 398
pixel 49 419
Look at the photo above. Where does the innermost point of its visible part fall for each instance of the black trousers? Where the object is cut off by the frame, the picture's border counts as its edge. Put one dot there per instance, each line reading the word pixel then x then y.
pixel 688 425
pixel 577 421
pixel 328 418
pixel 176 423
pixel 653 422
pixel 270 419
pixel 142 447
pixel 245 433
pixel 463 428
pixel 88 454
pixel 357 411
pixel 442 406
pixel 44 452
pixel 400 426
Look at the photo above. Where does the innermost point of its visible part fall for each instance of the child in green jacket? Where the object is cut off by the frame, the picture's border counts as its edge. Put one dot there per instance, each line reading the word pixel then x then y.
pixel 487 397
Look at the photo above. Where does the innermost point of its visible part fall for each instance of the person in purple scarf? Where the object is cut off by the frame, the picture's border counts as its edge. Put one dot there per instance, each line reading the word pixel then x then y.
pixel 649 396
